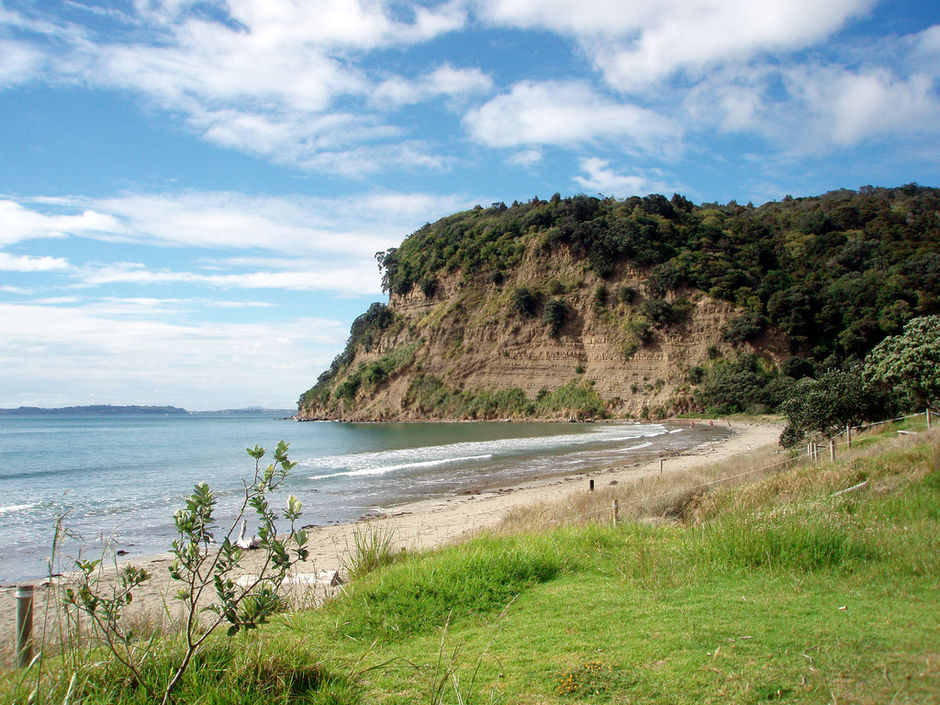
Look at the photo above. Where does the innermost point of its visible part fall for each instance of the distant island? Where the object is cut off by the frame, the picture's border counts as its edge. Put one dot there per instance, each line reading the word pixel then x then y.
pixel 110 410
pixel 94 410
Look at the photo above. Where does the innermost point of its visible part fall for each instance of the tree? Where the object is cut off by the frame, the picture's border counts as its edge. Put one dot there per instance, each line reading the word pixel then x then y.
pixel 556 313
pixel 910 361
pixel 525 301
pixel 201 566
pixel 822 407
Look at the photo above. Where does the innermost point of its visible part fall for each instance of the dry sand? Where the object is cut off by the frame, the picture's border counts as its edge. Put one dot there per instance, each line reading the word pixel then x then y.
pixel 418 525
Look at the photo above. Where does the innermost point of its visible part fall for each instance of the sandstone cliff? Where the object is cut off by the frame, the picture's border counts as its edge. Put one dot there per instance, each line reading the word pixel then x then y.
pixel 586 307
pixel 473 339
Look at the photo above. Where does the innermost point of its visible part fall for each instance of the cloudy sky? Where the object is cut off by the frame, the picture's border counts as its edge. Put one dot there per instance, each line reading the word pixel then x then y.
pixel 191 193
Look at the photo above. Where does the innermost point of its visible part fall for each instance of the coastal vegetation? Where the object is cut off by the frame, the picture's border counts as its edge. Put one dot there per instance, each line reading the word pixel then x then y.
pixel 206 571
pixel 748 582
pixel 811 285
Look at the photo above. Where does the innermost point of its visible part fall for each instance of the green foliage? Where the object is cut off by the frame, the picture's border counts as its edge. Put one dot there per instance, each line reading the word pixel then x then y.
pixel 823 407
pixel 787 543
pixel 733 386
pixel 576 399
pixel 837 272
pixel 797 368
pixel 664 314
pixel 555 315
pixel 430 396
pixel 427 592
pixel 626 294
pixel 201 566
pixel 910 361
pixel 370 325
pixel 744 327
pixel 365 330
pixel 373 546
pixel 525 302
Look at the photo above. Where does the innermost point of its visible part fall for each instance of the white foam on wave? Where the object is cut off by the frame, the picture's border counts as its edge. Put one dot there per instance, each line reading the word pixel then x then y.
pixel 386 461
pixel 13 508
pixel 638 446
pixel 383 470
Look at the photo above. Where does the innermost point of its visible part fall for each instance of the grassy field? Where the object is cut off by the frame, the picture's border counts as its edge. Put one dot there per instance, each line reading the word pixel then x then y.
pixel 771 588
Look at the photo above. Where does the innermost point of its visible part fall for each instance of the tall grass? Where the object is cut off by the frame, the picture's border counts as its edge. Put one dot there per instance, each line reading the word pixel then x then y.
pixel 373 546
pixel 431 590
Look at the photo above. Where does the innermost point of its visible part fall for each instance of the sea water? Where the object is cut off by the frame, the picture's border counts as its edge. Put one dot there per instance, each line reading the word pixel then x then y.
pixel 118 480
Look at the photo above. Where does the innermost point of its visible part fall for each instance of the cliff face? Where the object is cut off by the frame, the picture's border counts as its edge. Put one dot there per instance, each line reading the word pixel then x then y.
pixel 584 307
pixel 472 337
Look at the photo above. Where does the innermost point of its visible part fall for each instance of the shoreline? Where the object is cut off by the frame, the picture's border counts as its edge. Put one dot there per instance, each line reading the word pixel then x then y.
pixel 415 525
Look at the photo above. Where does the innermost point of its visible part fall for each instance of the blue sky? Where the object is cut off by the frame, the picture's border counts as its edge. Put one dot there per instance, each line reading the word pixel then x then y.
pixel 191 193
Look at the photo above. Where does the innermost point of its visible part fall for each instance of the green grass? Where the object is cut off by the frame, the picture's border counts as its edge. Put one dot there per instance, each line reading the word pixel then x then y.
pixel 779 591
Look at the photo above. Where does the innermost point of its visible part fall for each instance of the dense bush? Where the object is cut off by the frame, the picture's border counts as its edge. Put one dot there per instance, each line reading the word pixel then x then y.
pixel 837 272
pixel 822 407
pixel 525 301
pixel 663 313
pixel 734 385
pixel 744 327
pixel 910 362
pixel 556 313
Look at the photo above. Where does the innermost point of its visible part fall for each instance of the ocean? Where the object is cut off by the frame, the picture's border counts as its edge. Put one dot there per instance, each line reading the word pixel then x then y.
pixel 119 479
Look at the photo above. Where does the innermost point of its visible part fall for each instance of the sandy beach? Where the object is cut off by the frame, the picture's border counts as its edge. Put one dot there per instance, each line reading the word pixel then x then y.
pixel 418 525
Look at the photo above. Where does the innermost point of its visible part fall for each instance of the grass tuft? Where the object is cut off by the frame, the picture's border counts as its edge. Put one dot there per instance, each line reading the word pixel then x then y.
pixel 373 546
pixel 430 590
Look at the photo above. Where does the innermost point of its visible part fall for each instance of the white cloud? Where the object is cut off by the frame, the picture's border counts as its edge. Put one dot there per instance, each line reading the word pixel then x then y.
pixel 286 243
pixel 124 354
pixel 444 80
pixel 817 107
pixel 566 113
pixel 600 178
pixel 18 62
pixel 849 107
pixel 636 43
pixel 355 225
pixel 18 223
pixel 261 77
pixel 25 263
pixel 925 49
pixel 360 162
pixel 526 158
pixel 358 278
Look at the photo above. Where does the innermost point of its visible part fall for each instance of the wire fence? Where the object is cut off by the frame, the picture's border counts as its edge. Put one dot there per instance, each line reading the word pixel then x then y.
pixel 809 454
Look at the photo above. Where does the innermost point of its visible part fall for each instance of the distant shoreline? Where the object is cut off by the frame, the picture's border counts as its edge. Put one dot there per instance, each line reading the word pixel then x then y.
pixel 117 410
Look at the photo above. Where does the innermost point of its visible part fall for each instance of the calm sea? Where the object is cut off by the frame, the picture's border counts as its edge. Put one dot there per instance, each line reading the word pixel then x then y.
pixel 121 478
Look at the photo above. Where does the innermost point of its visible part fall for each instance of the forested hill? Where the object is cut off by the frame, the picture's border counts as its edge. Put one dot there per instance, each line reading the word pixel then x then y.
pixel 823 279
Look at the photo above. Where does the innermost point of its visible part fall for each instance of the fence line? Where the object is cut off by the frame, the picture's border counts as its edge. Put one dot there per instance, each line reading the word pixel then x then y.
pixel 800 456
pixel 870 424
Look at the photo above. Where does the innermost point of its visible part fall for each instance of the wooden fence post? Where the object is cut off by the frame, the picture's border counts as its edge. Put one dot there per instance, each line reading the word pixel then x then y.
pixel 615 513
pixel 661 461
pixel 832 449
pixel 591 485
pixel 848 436
pixel 24 625
pixel 928 418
